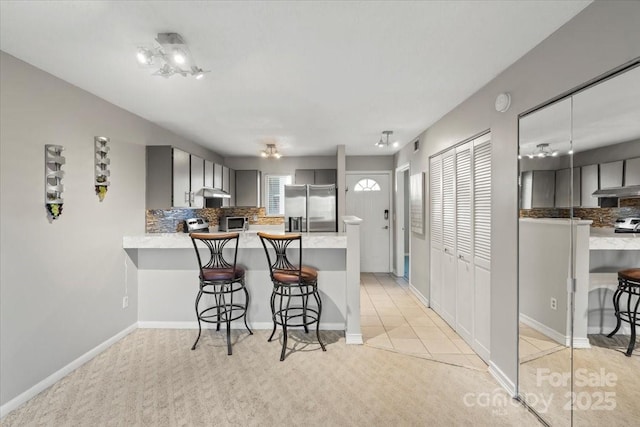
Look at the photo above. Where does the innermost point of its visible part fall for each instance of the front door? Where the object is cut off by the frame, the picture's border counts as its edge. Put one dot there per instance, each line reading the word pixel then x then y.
pixel 368 198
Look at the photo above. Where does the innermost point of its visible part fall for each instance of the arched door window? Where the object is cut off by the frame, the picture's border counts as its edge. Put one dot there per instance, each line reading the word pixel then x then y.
pixel 366 184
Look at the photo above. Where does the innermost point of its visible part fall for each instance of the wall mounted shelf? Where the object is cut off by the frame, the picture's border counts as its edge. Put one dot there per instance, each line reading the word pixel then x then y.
pixel 53 173
pixel 102 163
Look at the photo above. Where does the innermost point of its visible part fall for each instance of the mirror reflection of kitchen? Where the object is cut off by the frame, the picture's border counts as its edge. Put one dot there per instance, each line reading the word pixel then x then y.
pixel 579 210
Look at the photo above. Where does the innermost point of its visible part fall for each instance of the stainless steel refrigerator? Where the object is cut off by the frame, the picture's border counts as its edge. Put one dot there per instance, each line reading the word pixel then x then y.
pixel 310 208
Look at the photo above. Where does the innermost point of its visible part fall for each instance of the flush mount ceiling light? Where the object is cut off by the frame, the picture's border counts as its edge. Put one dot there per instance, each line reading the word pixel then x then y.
pixel 542 151
pixel 271 152
pixel 385 142
pixel 171 57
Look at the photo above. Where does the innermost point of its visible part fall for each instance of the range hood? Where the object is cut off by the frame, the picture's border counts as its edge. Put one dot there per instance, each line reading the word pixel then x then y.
pixel 210 192
pixel 619 192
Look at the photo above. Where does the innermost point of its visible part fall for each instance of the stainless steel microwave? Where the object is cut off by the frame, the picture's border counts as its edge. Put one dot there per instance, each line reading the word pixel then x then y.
pixel 233 223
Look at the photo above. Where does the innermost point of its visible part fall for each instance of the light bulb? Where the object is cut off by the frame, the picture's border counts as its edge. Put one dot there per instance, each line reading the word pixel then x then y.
pixel 519 157
pixel 264 154
pixel 178 56
pixel 531 156
pixel 144 56
pixel 395 144
pixel 555 153
pixel 199 75
pixel 541 155
pixel 570 151
pixel 277 155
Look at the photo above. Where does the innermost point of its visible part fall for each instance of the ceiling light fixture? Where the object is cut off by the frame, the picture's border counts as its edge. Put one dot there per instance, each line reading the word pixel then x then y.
pixel 542 151
pixel 271 152
pixel 385 142
pixel 171 57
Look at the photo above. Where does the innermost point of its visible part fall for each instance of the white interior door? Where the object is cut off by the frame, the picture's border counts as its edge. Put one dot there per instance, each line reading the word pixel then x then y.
pixel 368 198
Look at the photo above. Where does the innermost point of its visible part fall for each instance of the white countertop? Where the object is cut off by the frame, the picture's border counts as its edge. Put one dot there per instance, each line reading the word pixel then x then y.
pixel 607 239
pixel 557 221
pixel 247 239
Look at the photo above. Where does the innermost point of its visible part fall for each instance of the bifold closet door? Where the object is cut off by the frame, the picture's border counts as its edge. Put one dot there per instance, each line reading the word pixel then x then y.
pixel 449 237
pixel 435 212
pixel 464 237
pixel 482 245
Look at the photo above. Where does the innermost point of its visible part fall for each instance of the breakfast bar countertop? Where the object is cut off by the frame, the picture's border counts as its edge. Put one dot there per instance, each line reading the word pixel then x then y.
pixel 608 239
pixel 248 239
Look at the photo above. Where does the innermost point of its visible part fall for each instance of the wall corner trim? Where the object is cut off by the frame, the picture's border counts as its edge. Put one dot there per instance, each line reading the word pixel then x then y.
pixel 502 379
pixel 64 371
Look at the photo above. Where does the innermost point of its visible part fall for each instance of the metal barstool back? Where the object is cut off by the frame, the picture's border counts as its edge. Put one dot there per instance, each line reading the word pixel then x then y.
pixel 290 283
pixel 222 280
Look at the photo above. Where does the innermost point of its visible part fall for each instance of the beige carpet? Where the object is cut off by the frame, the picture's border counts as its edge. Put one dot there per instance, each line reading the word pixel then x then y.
pixel 151 377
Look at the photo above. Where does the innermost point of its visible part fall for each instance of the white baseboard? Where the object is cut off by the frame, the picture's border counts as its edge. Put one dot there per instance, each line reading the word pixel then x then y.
pixel 419 295
pixel 578 342
pixel 625 329
pixel 61 373
pixel 192 324
pixel 502 379
pixel 355 339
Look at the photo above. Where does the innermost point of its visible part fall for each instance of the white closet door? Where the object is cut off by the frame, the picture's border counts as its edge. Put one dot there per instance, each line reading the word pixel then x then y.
pixel 464 235
pixel 449 237
pixel 435 212
pixel 482 245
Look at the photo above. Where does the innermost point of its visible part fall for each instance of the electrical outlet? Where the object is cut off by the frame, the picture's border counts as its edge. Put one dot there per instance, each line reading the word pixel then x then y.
pixel 125 301
pixel 554 304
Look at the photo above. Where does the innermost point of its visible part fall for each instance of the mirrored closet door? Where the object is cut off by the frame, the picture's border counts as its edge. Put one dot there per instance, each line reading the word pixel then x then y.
pixel 579 162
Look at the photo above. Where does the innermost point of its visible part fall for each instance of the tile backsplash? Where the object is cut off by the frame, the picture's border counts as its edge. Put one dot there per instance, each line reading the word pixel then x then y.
pixel 601 217
pixel 172 220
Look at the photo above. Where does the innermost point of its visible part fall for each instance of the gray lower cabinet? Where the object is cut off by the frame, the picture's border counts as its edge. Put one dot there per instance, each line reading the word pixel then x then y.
pixel 247 191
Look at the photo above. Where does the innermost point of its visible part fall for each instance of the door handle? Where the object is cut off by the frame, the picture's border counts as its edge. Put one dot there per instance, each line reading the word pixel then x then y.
pixel 386 227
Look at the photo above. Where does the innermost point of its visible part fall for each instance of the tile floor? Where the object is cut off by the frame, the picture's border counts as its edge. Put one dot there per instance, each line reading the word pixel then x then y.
pixel 533 344
pixel 394 319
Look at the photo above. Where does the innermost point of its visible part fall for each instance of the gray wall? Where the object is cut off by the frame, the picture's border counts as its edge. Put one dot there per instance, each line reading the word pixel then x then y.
pixel 370 163
pixel 283 165
pixel 62 283
pixel 579 51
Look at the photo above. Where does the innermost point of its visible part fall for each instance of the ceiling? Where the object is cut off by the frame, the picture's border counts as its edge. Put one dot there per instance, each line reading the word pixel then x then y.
pixel 306 76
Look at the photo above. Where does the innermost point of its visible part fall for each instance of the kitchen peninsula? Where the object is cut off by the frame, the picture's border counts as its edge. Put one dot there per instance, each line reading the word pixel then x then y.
pixel 162 269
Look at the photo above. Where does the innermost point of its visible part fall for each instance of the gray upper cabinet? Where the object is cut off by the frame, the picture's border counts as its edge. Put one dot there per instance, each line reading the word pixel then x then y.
pixel 563 189
pixel 197 182
pixel 174 178
pixel 232 187
pixel 226 185
pixel 611 174
pixel 589 180
pixel 247 188
pixel 543 189
pixel 325 176
pixel 315 176
pixel 181 177
pixel 208 173
pixel 632 172
pixel 304 176
pixel 217 176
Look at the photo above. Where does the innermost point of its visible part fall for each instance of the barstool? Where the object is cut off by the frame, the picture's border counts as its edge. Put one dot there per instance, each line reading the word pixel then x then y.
pixel 222 280
pixel 629 285
pixel 291 284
